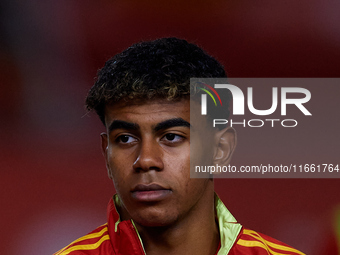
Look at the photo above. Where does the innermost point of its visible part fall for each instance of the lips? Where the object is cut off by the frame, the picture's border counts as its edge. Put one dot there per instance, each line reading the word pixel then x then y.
pixel 150 192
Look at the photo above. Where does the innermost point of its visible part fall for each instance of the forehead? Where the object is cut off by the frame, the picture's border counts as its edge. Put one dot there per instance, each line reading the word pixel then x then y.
pixel 153 109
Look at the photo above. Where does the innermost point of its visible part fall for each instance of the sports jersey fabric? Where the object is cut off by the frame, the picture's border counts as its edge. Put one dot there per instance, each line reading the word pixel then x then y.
pixel 118 237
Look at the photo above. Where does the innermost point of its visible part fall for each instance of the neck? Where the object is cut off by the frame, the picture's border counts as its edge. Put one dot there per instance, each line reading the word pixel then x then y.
pixel 196 233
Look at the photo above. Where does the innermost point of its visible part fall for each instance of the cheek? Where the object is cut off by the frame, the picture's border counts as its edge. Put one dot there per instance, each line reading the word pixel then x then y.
pixel 196 186
pixel 179 166
pixel 180 172
pixel 119 170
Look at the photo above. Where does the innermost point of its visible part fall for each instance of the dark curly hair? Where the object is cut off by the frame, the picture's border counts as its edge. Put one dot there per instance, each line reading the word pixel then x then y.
pixel 156 69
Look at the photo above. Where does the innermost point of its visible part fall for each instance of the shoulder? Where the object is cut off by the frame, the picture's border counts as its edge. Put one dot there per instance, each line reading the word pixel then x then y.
pixel 92 243
pixel 252 242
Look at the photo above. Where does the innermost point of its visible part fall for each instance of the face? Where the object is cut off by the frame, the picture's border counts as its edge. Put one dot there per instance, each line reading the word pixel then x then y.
pixel 147 151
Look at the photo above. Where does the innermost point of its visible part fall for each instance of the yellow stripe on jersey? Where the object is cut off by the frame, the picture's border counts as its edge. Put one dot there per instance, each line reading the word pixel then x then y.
pixel 85 246
pixel 88 236
pixel 248 243
pixel 271 244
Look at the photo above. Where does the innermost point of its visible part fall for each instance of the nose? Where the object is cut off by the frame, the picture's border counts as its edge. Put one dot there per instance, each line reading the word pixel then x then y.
pixel 149 157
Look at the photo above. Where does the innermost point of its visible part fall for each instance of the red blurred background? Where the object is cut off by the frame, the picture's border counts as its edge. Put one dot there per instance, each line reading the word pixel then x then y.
pixel 53 181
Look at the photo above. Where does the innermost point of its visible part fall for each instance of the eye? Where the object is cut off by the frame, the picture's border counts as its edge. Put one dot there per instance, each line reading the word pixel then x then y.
pixel 125 139
pixel 173 138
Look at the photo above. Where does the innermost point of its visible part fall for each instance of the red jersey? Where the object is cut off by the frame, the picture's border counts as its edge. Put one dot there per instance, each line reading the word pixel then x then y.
pixel 121 238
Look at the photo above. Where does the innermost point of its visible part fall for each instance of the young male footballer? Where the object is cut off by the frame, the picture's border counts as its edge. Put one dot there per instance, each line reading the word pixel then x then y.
pixel 142 96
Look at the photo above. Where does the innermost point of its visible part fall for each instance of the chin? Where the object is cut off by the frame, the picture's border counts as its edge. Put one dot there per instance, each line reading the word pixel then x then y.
pixel 155 220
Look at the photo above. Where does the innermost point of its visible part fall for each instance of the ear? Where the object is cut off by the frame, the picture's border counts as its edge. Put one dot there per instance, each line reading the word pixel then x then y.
pixel 225 141
pixel 105 143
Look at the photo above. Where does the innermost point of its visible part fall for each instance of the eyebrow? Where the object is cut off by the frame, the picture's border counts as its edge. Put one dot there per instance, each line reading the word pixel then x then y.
pixel 176 122
pixel 120 124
